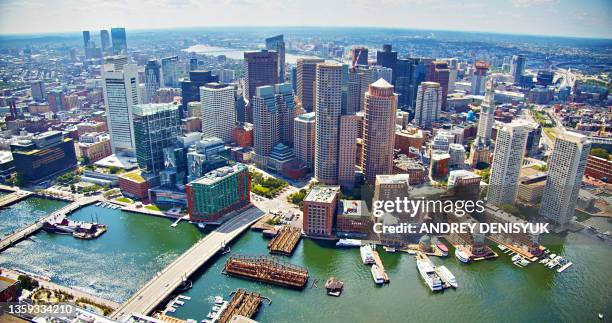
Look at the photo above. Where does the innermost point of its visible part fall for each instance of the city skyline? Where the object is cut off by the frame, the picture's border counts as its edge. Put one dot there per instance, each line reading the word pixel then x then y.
pixel 520 17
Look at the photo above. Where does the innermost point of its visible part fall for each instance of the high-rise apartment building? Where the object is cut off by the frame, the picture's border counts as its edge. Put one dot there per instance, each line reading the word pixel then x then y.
pixel 156 126
pixel 170 71
pixel 360 77
pixel 328 104
pixel 306 75
pixel 507 163
pixel 387 58
pixel 120 95
pixel 304 138
pixel 119 41
pixel 428 104
pixel 379 130
pixel 218 112
pixel 277 43
pixel 566 169
pixel 273 115
pixel 347 149
pixel 479 77
pixel 152 80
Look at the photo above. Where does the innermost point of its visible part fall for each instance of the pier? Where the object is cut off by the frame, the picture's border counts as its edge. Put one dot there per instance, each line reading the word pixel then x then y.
pixel 14 197
pixel 267 270
pixel 166 281
pixel 285 241
pixel 243 303
pixel 28 230
pixel 379 263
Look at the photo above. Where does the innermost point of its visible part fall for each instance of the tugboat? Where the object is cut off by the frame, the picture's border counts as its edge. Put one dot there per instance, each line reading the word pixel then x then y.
pixel 186 284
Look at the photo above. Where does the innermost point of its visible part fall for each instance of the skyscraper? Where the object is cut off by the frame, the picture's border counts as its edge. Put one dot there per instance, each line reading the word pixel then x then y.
pixel 260 68
pixel 347 149
pixel 277 43
pixel 387 58
pixel 306 75
pixel 119 40
pixel 479 77
pixel 438 71
pixel 170 72
pixel 118 61
pixel 360 77
pixel 487 114
pixel 120 95
pixel 193 64
pixel 428 104
pixel 304 138
pixel 38 90
pixel 566 168
pixel 379 130
pixel 507 163
pixel 190 89
pixel 105 42
pixel 86 40
pixel 218 110
pixel 517 68
pixel 359 56
pixel 409 73
pixel 152 80
pixel 328 101
pixel 156 126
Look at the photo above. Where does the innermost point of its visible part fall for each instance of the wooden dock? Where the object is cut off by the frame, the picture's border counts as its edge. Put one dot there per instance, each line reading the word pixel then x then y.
pixel 379 263
pixel 243 303
pixel 285 241
pixel 268 270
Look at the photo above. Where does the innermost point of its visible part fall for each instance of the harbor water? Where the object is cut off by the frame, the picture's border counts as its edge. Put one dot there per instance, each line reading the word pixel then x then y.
pixel 137 246
pixel 26 212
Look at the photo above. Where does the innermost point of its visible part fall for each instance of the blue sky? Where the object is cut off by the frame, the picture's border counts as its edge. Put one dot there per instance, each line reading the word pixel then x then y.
pixel 590 18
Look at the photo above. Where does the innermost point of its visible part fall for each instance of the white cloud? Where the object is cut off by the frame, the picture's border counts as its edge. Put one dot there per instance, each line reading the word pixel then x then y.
pixel 529 3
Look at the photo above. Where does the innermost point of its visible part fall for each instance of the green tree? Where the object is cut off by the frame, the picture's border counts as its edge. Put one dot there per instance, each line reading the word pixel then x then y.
pixel 27 282
pixel 600 152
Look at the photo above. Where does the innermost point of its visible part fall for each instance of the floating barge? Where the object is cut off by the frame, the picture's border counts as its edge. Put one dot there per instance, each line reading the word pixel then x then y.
pixel 334 286
pixel 266 269
pixel 242 303
pixel 285 241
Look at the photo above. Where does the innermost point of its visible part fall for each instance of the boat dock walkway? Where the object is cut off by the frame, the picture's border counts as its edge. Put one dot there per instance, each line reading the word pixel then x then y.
pixel 379 263
pixel 14 197
pixel 243 303
pixel 166 281
pixel 285 241
pixel 30 229
pixel 513 248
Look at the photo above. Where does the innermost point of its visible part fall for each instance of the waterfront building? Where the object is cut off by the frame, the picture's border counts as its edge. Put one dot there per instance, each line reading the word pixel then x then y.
pixel 319 210
pixel 347 150
pixel 170 71
pixel 566 168
pixel 428 104
pixel 305 83
pixel 218 112
pixel 205 156
pixel 387 58
pixel 43 156
pixel 152 80
pixel 119 40
pixel 507 162
pixel 304 138
pixel 94 146
pixel 156 126
pixel 277 43
pixel 218 192
pixel 359 56
pixel 479 77
pixel 328 109
pixel 379 130
pixel 353 219
pixel 136 184
pixel 120 95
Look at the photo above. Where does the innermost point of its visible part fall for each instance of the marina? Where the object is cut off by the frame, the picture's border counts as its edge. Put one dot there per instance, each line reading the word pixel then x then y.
pixel 285 241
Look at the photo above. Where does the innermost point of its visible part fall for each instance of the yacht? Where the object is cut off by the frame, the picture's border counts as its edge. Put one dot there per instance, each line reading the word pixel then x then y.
pixel 462 256
pixel 218 300
pixel 428 273
pixel 348 243
pixel 447 276
pixel 366 254
pixel 377 275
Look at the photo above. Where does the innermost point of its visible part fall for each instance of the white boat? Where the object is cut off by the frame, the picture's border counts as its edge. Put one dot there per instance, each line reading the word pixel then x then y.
pixel 187 298
pixel 524 262
pixel 210 315
pixel 428 273
pixel 411 252
pixel 216 308
pixel 367 256
pixel 564 267
pixel 171 309
pixel 544 261
pixel 447 276
pixel 462 256
pixel 552 256
pixel 218 300
pixel 501 247
pixel 377 275
pixel 180 303
pixel 348 243
pixel 201 225
pixel 516 258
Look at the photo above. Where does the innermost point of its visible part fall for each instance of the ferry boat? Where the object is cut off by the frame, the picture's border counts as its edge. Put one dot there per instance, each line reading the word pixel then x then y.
pixel 462 256
pixel 367 255
pixel 377 275
pixel 447 276
pixel 428 273
pixel 443 248
pixel 348 243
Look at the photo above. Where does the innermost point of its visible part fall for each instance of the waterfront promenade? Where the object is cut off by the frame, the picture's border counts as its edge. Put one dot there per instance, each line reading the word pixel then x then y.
pixel 165 282
pixel 14 197
pixel 26 231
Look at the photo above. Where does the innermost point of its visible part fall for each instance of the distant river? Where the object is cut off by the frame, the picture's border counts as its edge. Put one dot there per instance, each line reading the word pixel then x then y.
pixel 234 53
